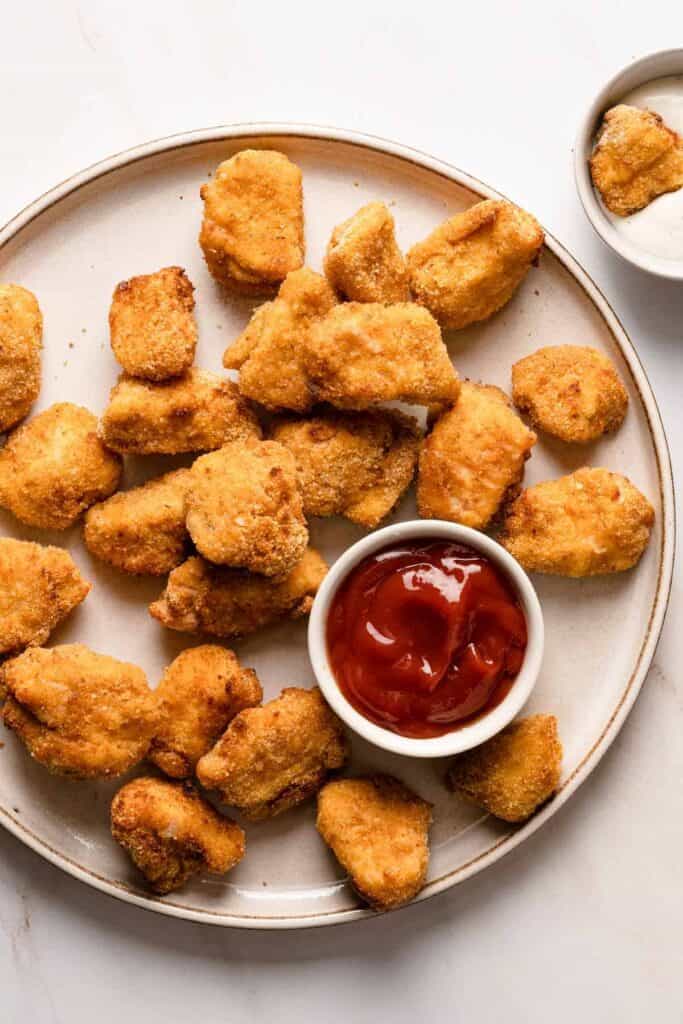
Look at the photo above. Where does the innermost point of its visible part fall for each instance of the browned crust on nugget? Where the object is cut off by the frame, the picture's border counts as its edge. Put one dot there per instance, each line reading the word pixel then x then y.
pixel 363 262
pixel 21 332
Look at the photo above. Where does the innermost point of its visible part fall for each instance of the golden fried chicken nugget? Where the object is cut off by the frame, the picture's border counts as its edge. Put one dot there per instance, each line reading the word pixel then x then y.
pixel 636 158
pixel 473 461
pixel 21 332
pixel 378 830
pixel 55 466
pixel 171 832
pixel 199 695
pixel 514 772
pixel 585 524
pixel 142 530
pixel 39 586
pixel 152 325
pixel 197 412
pixel 363 261
pixel 355 464
pixel 244 508
pixel 570 391
pixel 270 353
pixel 253 229
pixel 274 757
pixel 362 353
pixel 79 713
pixel 204 598
pixel 471 265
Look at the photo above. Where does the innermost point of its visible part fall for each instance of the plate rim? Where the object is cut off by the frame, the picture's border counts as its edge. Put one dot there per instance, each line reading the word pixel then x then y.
pixel 513 838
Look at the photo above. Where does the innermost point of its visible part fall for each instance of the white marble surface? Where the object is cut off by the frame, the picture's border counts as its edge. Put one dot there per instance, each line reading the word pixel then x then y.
pixel 584 921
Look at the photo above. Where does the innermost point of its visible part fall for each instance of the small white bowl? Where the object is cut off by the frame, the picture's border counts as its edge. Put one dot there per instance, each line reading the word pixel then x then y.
pixel 647 69
pixel 468 735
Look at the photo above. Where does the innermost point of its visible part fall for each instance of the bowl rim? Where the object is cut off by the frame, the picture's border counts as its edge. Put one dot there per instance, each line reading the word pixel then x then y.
pixel 489 723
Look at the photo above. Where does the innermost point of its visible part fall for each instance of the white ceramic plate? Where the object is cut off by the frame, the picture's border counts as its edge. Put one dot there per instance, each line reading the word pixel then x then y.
pixel 141 210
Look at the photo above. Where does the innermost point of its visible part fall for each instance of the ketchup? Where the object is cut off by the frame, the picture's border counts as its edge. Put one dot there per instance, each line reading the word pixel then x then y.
pixel 423 637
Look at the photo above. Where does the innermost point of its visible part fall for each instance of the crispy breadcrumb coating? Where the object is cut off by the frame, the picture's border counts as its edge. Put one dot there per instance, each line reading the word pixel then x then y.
pixel 204 598
pixel 152 325
pixel 636 158
pixel 55 466
pixel 79 713
pixel 197 412
pixel 172 833
pixel 363 261
pixel 274 757
pixel 585 524
pixel 570 391
pixel 199 695
pixel 21 332
pixel 253 229
pixel 378 830
pixel 473 460
pixel 471 265
pixel 514 772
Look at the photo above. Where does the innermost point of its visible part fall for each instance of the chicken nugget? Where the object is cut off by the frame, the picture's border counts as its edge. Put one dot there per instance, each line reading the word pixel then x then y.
pixel 362 353
pixel 141 530
pixel 636 158
pixel 39 586
pixel 79 713
pixel 274 757
pixel 378 830
pixel 253 229
pixel 197 412
pixel 204 598
pixel 572 392
pixel 585 524
pixel 473 460
pixel 270 353
pixel 471 265
pixel 514 772
pixel 21 332
pixel 244 509
pixel 354 464
pixel 363 261
pixel 152 325
pixel 199 695
pixel 55 466
pixel 171 833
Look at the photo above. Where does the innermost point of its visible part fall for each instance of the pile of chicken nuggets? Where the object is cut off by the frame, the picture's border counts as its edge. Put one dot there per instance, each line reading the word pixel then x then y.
pixel 309 428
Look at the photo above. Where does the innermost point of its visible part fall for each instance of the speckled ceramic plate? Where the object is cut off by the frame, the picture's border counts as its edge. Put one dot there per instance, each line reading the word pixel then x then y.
pixel 139 211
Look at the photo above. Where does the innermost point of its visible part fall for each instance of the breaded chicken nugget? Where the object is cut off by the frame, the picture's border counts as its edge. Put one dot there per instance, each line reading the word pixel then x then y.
pixel 364 353
pixel 473 460
pixel 636 158
pixel 39 586
pixel 171 833
pixel 55 466
pixel 378 830
pixel 585 524
pixel 270 353
pixel 79 713
pixel 243 508
pixel 471 265
pixel 141 530
pixel 570 391
pixel 152 325
pixel 514 772
pixel 21 332
pixel 199 695
pixel 204 598
pixel 363 261
pixel 253 229
pixel 274 757
pixel 352 464
pixel 197 412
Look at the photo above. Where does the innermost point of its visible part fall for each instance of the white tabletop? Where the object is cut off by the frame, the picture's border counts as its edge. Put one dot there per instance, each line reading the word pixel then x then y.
pixel 584 921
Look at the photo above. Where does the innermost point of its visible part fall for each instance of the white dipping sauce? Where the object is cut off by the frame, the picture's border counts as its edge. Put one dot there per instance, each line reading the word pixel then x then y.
pixel 657 229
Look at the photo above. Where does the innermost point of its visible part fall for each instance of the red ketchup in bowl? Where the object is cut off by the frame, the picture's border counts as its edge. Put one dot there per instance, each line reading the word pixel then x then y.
pixel 424 637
